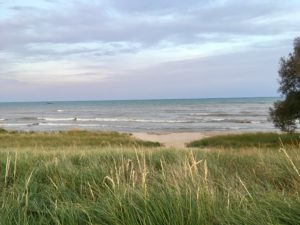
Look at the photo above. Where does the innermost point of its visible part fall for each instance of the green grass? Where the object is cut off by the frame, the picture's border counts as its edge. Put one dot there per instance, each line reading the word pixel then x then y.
pixel 77 138
pixel 136 185
pixel 263 140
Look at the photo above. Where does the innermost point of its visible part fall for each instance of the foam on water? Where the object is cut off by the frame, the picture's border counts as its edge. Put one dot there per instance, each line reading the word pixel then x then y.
pixel 58 119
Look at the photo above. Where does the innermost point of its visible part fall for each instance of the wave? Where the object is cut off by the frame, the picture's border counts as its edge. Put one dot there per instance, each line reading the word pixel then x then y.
pixel 14 124
pixel 132 120
pixel 76 121
pixel 56 124
pixel 199 114
pixel 228 114
pixel 223 120
pixel 20 124
pixel 47 124
pixel 224 114
pixel 216 120
pixel 58 119
pixel 28 118
pixel 114 120
pixel 69 124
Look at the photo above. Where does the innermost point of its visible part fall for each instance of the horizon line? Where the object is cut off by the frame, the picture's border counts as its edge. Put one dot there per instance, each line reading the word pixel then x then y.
pixel 150 99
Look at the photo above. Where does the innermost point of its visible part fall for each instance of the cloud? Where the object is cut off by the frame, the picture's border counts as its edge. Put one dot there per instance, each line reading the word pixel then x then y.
pixel 23 8
pixel 101 40
pixel 89 22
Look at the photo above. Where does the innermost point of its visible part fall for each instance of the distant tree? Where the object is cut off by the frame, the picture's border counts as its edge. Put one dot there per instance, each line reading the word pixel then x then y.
pixel 286 112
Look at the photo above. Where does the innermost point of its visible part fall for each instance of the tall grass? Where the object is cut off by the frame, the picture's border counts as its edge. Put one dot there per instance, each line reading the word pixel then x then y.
pixel 248 140
pixel 74 138
pixel 138 185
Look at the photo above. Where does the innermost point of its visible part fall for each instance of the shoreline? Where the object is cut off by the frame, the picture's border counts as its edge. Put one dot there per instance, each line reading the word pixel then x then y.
pixel 180 139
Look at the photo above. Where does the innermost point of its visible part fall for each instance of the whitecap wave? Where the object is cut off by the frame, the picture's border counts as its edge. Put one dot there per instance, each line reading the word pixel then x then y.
pixel 223 120
pixel 216 120
pixel 58 119
pixel 199 114
pixel 113 120
pixel 15 124
pixel 56 124
pixel 69 124
pixel 131 120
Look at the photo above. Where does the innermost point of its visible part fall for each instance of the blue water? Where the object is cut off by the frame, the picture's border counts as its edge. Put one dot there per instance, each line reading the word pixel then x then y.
pixel 140 115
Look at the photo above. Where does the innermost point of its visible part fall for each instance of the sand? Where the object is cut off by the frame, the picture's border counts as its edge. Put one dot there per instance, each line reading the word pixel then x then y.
pixel 179 139
pixel 176 140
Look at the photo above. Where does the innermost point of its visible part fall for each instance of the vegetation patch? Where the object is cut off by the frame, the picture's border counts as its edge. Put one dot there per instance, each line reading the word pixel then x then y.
pixel 249 140
pixel 134 186
pixel 75 138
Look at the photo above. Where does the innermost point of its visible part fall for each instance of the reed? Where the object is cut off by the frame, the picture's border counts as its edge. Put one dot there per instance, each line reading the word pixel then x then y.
pixel 141 185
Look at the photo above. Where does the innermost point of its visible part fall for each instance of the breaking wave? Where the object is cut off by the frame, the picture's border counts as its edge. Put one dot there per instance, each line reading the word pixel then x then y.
pixel 223 120
pixel 114 120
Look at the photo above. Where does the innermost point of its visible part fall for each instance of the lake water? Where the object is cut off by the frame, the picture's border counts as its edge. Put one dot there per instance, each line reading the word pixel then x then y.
pixel 140 115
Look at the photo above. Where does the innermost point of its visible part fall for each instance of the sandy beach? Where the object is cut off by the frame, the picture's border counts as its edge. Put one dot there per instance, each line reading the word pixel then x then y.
pixel 176 140
pixel 179 139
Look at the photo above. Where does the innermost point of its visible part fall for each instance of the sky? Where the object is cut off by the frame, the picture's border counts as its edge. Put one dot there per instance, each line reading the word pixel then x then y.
pixel 138 49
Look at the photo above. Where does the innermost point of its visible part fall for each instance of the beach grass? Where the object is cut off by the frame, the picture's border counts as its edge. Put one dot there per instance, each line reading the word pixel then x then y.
pixel 134 185
pixel 249 140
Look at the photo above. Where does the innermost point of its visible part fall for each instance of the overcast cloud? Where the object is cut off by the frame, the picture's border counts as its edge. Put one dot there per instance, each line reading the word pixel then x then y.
pixel 133 49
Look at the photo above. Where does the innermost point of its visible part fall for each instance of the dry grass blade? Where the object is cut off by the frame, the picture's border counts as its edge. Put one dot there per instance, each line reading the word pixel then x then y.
pixel 246 189
pixel 288 157
pixel 7 169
